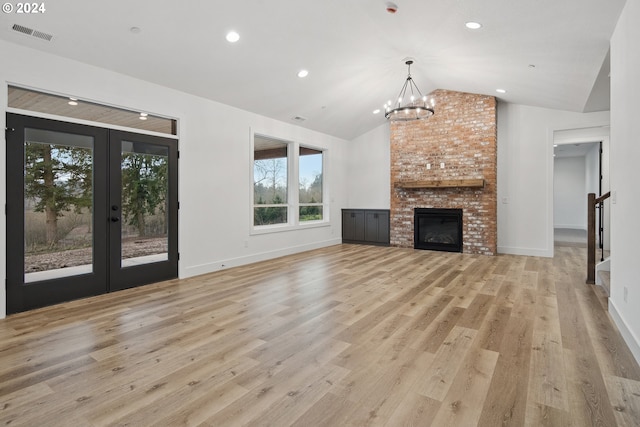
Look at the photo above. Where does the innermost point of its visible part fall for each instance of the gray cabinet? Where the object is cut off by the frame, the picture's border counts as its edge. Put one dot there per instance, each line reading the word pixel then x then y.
pixel 352 225
pixel 368 226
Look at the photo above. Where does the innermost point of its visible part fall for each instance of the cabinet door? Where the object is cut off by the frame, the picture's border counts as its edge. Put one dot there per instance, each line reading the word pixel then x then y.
pixel 383 227
pixel 352 225
pixel 377 227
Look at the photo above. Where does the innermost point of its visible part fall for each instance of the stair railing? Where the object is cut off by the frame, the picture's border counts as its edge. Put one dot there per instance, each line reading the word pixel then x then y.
pixel 592 203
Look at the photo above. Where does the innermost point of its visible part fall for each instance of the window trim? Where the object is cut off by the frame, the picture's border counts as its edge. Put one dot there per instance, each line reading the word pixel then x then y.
pixel 324 204
pixel 293 194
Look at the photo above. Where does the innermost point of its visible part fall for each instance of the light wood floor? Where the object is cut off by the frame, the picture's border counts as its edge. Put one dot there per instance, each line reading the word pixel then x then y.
pixel 343 336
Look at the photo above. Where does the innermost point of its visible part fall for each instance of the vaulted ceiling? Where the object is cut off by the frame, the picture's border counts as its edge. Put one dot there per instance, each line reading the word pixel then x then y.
pixel 547 53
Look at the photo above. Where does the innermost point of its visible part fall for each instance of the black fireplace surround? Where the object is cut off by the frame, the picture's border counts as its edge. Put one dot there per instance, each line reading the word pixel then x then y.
pixel 437 229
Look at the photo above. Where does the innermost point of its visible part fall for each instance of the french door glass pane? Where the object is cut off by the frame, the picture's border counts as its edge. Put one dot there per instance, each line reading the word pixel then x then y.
pixel 58 204
pixel 145 191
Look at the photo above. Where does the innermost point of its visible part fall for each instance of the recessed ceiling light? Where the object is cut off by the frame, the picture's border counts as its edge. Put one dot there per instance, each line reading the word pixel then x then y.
pixel 501 90
pixel 473 25
pixel 135 30
pixel 233 37
pixel 376 111
pixel 303 73
pixel 532 65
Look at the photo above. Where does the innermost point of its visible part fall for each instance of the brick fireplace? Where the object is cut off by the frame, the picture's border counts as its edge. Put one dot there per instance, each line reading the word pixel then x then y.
pixel 462 136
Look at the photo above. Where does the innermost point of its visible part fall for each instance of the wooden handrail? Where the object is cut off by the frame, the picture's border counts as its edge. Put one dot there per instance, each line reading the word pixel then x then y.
pixel 602 198
pixel 592 202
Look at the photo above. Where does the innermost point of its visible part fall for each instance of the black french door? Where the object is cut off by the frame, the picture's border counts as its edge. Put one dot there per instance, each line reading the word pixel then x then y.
pixel 89 211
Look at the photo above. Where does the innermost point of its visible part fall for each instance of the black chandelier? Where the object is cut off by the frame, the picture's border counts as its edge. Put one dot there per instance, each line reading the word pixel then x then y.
pixel 411 106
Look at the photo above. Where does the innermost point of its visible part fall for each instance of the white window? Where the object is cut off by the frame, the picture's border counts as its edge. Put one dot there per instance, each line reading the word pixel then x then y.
pixel 310 196
pixel 270 181
pixel 288 184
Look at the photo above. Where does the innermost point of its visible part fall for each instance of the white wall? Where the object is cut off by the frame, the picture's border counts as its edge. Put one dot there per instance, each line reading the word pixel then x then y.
pixel 625 176
pixel 592 164
pixel 525 174
pixel 214 168
pixel 369 169
pixel 569 193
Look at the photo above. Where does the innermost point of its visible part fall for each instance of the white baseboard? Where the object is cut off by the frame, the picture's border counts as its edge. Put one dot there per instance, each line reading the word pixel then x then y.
pixel 627 334
pixel 525 251
pixel 224 264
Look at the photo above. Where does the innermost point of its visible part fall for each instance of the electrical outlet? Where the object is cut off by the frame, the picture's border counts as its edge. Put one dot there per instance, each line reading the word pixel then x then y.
pixel 246 243
pixel 428 166
pixel 625 293
pixel 441 165
pixel 614 197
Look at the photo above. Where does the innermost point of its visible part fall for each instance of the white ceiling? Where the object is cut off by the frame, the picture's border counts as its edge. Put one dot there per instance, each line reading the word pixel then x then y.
pixel 580 149
pixel 354 51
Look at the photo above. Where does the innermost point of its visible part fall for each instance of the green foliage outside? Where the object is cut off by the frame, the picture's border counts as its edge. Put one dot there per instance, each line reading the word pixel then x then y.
pixel 144 191
pixel 58 186
pixel 270 215
pixel 58 179
pixel 270 188
pixel 311 193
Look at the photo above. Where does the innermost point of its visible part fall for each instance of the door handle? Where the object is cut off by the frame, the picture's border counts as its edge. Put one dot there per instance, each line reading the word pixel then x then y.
pixel 114 208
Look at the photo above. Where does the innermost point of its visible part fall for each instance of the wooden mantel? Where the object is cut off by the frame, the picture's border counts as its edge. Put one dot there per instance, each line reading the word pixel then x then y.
pixel 442 183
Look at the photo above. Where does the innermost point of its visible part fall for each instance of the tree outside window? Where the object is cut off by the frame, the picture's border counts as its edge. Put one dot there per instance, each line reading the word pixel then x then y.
pixel 310 185
pixel 270 175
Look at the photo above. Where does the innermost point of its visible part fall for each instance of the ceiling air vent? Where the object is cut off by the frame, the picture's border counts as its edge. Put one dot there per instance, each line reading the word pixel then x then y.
pixel 31 32
pixel 21 29
pixel 299 118
pixel 43 36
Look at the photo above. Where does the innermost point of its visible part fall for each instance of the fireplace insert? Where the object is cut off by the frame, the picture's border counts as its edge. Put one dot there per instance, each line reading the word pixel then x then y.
pixel 437 229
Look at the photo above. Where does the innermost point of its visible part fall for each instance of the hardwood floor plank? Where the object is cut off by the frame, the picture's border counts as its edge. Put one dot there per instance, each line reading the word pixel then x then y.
pixel 325 412
pixel 492 329
pixel 539 415
pixel 506 401
pixel 474 314
pixel 439 377
pixel 298 400
pixel 547 382
pixel 432 311
pixel 589 402
pixel 385 394
pixel 439 329
pixel 624 395
pixel 166 396
pixel 463 403
pixel 415 410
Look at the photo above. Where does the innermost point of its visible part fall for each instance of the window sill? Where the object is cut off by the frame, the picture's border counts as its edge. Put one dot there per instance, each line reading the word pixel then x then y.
pixel 267 229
